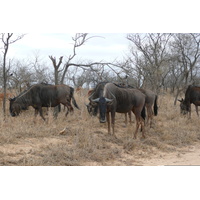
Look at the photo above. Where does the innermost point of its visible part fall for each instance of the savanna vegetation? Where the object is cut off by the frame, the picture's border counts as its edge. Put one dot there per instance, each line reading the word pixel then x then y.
pixel 25 140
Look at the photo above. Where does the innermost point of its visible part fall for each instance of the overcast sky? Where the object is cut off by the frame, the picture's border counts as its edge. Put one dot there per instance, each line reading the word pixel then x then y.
pixel 105 47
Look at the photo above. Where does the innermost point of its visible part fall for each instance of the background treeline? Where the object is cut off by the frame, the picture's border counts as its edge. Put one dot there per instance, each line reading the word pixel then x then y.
pixel 158 61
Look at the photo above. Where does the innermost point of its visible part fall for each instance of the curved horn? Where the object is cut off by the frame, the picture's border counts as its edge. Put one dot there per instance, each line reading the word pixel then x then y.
pixel 95 100
pixel 108 100
pixel 91 95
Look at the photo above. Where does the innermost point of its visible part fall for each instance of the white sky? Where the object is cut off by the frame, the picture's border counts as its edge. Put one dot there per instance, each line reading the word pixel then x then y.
pixel 106 47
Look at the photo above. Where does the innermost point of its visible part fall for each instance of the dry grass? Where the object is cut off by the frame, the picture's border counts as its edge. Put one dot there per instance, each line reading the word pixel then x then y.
pixel 28 141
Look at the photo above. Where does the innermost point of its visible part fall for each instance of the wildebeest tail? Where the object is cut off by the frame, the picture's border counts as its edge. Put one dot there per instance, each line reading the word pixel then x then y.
pixel 72 96
pixel 143 113
pixel 155 107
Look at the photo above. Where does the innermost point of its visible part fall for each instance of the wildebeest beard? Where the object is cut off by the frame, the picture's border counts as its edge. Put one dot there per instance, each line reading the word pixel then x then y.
pixel 184 108
pixel 102 109
pixel 92 110
pixel 15 109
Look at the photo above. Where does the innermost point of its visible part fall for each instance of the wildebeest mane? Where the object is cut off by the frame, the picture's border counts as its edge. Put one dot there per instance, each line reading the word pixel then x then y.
pixel 123 86
pixel 98 90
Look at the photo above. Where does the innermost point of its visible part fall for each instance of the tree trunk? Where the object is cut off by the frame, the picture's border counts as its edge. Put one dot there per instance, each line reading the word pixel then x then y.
pixel 4 81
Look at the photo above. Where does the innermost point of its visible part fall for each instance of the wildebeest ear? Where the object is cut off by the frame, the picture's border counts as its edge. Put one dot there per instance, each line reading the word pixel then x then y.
pixel 12 99
pixel 109 101
pixel 181 100
pixel 94 103
pixel 88 105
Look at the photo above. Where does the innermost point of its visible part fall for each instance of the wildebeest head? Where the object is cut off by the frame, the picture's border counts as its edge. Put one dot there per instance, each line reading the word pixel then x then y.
pixel 92 109
pixel 102 103
pixel 183 107
pixel 15 107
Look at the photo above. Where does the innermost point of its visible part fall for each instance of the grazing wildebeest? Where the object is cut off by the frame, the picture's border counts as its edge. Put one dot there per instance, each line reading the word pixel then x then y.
pixel 122 100
pixel 96 93
pixel 150 101
pixel 192 95
pixel 43 95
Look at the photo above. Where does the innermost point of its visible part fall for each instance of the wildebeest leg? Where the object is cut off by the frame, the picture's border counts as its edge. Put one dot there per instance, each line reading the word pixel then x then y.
pixel 108 120
pixel 137 127
pixel 69 108
pixel 197 110
pixel 150 116
pixel 190 111
pixel 139 122
pixel 36 112
pixel 41 113
pixel 126 119
pixel 142 127
pixel 113 123
pixel 67 111
pixel 129 114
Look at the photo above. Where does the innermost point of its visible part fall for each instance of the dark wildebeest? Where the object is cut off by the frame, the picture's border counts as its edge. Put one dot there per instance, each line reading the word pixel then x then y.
pixel 96 93
pixel 122 100
pixel 192 95
pixel 43 95
pixel 93 94
pixel 151 104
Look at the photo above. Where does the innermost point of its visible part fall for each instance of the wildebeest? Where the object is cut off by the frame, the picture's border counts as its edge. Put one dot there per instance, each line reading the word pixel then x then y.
pixel 192 95
pixel 43 95
pixel 122 100
pixel 96 93
pixel 93 94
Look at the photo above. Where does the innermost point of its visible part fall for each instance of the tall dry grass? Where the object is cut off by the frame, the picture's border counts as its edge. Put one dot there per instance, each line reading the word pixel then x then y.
pixel 25 140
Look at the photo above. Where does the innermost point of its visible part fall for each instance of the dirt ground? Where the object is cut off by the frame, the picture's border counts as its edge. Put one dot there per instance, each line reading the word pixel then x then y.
pixel 189 156
pixel 20 152
pixel 185 157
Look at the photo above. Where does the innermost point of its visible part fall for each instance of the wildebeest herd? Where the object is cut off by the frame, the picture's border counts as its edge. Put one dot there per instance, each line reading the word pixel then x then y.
pixel 105 99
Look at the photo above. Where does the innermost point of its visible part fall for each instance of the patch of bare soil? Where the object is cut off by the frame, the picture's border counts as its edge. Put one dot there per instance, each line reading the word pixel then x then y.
pixel 185 157
pixel 30 151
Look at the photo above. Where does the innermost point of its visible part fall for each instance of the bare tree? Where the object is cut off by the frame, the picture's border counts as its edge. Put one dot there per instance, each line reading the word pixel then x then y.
pixel 186 49
pixel 7 39
pixel 56 68
pixel 150 52
pixel 60 68
pixel 22 75
pixel 184 62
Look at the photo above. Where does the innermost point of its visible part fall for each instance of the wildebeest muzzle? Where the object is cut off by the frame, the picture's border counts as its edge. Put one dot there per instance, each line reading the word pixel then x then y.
pixel 102 103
